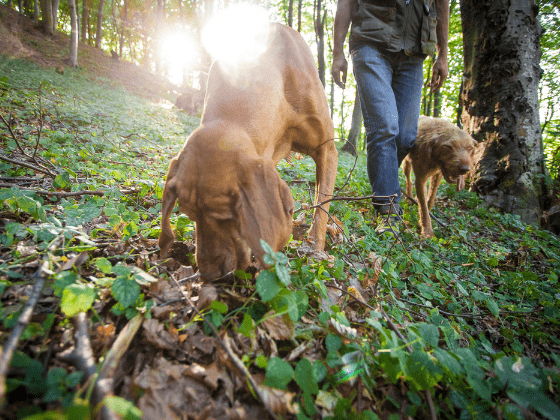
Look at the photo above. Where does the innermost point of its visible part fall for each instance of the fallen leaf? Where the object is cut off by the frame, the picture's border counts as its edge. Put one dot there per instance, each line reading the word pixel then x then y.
pixel 279 327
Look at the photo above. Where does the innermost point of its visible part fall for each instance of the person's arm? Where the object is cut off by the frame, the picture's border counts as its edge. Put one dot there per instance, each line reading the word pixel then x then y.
pixel 440 69
pixel 341 24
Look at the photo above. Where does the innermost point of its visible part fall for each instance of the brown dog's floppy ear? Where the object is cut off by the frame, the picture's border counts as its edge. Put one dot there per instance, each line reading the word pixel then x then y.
pixel 265 206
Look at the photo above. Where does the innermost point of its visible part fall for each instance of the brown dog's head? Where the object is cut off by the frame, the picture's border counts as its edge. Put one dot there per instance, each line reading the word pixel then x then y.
pixel 235 199
pixel 453 149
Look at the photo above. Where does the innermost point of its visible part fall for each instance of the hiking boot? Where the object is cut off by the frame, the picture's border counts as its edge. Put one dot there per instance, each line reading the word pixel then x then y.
pixel 389 222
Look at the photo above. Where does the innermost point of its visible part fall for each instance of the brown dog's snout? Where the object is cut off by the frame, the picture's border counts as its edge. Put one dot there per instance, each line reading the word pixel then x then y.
pixel 463 169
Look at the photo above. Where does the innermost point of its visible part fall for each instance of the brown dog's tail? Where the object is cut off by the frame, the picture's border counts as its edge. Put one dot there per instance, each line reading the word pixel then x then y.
pixel 167 237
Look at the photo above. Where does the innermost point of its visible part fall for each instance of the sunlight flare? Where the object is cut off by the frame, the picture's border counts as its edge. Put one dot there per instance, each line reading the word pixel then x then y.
pixel 237 35
pixel 179 52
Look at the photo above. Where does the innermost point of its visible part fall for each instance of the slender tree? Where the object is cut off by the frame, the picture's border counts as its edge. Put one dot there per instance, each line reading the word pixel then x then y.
pixel 500 99
pixel 73 59
pixel 320 37
pixel 85 13
pixel 47 16
pixel 290 12
pixel 351 145
pixel 99 31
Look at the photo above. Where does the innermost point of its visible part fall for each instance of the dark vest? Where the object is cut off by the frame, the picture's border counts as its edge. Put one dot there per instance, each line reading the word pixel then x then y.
pixel 396 25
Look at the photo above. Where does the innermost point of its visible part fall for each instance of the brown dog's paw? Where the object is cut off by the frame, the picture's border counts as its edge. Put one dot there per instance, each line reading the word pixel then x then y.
pixel 427 234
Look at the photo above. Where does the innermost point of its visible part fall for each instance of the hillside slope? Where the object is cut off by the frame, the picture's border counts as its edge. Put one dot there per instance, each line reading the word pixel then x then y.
pixel 20 38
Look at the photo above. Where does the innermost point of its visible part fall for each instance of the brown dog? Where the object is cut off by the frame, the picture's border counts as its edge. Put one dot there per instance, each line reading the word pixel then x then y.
pixel 225 176
pixel 441 150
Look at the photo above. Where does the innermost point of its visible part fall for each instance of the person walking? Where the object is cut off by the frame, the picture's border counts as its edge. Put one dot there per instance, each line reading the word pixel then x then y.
pixel 389 40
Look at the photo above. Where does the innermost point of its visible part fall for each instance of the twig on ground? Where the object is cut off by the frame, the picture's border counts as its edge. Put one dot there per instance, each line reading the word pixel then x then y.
pixel 66 194
pixel 13 135
pixel 43 170
pixel 40 278
pixel 227 347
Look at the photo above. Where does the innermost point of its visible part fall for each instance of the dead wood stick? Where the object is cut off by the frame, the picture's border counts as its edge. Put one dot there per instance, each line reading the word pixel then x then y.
pixel 40 278
pixel 399 334
pixel 81 356
pixel 13 135
pixel 65 194
pixel 227 347
pixel 27 165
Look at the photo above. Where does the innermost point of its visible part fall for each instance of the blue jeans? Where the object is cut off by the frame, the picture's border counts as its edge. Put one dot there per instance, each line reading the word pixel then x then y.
pixel 390 89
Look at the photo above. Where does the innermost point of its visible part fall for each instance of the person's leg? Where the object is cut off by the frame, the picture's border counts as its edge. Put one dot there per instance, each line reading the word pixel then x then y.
pixel 373 74
pixel 407 83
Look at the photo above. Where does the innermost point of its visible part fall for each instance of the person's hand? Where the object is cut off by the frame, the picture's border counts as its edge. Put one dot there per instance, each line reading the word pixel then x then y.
pixel 439 73
pixel 339 66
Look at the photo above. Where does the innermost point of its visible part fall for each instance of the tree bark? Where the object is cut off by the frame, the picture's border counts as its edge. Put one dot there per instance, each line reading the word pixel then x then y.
pixel 320 39
pixel 85 13
pixel 290 12
pixel 55 4
pixel 73 59
pixel 299 16
pixel 99 31
pixel 46 13
pixel 351 145
pixel 36 11
pixel 124 24
pixel 501 42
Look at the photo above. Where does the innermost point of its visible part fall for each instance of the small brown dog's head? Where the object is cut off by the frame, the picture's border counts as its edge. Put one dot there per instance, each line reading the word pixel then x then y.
pixel 454 151
pixel 235 199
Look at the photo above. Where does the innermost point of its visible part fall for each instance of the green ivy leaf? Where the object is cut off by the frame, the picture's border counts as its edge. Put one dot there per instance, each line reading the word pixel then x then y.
pixel 121 270
pixel 283 274
pixel 247 327
pixel 278 373
pixel 77 298
pixel 333 342
pixel 305 378
pixel 219 307
pixel 266 247
pixel 493 307
pixel 267 285
pixel 126 291
pixel 122 407
pixel 104 265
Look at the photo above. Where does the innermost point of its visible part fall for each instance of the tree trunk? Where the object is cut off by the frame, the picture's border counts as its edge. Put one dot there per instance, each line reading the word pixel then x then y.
pixel 73 59
pixel 320 39
pixel 124 24
pixel 299 16
pixel 459 110
pixel 290 12
pixel 99 31
pixel 36 11
pixel 351 145
pixel 501 43
pixel 437 103
pixel 46 13
pixel 55 4
pixel 85 13
pixel 20 6
pixel 9 4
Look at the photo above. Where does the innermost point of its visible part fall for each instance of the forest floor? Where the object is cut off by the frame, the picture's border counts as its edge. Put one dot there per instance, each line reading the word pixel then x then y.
pixel 94 322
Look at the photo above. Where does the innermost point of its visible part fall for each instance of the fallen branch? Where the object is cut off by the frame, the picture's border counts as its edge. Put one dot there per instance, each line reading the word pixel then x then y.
pixel 399 334
pixel 13 135
pixel 81 356
pixel 40 278
pixel 27 165
pixel 66 194
pixel 227 347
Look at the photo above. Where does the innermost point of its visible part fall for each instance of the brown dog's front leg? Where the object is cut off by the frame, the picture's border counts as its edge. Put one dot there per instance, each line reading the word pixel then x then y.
pixel 434 184
pixel 423 212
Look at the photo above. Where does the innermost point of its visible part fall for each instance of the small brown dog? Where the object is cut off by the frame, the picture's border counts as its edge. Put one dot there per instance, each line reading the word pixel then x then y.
pixel 225 176
pixel 441 150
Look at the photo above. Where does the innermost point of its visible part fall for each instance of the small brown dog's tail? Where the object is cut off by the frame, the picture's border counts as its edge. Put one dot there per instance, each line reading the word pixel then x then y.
pixel 167 237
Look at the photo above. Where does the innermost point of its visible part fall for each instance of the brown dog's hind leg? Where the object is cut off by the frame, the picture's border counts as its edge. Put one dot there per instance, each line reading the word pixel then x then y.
pixel 326 162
